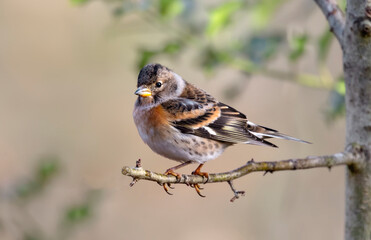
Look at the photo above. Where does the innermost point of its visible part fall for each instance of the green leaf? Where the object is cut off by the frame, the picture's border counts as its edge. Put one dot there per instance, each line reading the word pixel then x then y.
pixel 262 12
pixel 336 108
pixel 78 2
pixel 170 8
pixel 221 16
pixel 340 86
pixel 211 58
pixel 324 44
pixel 172 47
pixel 118 11
pixel 78 213
pixel 298 47
pixel 45 171
pixel 145 57
pixel 342 5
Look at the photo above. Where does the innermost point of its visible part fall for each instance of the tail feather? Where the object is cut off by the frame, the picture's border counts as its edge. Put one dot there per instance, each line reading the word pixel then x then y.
pixel 264 133
pixel 260 142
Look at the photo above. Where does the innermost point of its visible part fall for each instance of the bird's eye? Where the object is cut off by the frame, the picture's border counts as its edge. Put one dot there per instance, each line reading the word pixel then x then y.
pixel 158 84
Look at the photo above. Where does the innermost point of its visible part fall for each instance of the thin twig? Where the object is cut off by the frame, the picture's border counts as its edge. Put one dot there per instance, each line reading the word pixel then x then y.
pixel 138 164
pixel 237 194
pixel 334 16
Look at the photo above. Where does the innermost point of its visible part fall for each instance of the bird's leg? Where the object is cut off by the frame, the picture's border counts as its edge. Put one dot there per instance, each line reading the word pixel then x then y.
pixel 170 171
pixel 199 173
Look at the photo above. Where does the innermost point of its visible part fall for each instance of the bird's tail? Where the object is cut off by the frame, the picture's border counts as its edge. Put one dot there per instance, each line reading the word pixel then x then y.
pixel 264 133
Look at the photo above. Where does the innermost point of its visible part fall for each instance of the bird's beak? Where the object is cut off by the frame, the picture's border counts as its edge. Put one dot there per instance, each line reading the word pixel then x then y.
pixel 143 91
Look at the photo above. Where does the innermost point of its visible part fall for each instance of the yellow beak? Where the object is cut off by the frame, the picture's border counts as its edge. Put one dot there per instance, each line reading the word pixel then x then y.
pixel 143 92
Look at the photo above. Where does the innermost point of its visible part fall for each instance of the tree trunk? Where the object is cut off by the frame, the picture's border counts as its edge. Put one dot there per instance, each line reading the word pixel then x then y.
pixel 357 70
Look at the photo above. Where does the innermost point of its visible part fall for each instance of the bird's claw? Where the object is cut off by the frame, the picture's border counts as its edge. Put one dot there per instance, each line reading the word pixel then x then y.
pixel 203 175
pixel 196 186
pixel 198 189
pixel 166 186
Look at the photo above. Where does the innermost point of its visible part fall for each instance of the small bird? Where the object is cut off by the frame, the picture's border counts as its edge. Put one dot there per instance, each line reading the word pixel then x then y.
pixel 184 123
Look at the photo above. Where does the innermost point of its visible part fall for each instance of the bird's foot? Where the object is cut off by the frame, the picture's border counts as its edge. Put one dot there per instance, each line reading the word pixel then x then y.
pixel 202 174
pixel 166 186
pixel 171 172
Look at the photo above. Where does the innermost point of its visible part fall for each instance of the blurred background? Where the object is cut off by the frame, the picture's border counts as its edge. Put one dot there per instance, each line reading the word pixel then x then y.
pixel 68 71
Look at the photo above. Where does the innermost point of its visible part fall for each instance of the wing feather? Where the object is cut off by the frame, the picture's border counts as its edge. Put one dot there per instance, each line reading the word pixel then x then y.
pixel 198 113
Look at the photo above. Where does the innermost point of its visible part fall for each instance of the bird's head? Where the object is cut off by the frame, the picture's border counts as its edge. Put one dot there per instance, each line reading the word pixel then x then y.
pixel 157 83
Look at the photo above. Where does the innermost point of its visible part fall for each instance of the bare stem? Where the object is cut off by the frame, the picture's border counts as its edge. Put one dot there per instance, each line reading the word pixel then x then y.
pixel 343 158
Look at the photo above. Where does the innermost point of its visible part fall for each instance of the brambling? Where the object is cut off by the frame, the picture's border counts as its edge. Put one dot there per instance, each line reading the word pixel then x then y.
pixel 184 123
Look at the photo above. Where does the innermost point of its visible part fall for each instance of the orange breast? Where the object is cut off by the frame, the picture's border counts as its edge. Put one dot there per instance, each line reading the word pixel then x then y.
pixel 157 116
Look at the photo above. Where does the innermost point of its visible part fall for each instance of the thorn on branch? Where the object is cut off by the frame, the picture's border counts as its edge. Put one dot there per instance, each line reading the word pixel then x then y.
pixel 251 161
pixel 237 194
pixel 268 171
pixel 138 163
pixel 135 180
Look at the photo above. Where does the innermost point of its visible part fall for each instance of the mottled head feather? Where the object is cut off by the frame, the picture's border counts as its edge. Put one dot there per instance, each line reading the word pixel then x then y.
pixel 149 73
pixel 170 85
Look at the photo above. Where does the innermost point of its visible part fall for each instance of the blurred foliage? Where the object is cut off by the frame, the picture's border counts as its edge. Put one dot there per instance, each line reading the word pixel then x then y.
pixel 238 34
pixel 221 16
pixel 324 43
pixel 169 49
pixel 261 48
pixel 261 12
pixel 77 214
pixel 82 211
pixel 34 188
pixel 336 107
pixel 78 2
pixel 45 171
pixel 298 45
pixel 170 8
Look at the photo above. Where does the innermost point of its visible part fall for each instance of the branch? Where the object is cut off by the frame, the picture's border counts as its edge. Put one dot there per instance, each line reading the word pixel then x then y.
pixel 334 16
pixel 353 159
pixel 344 158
